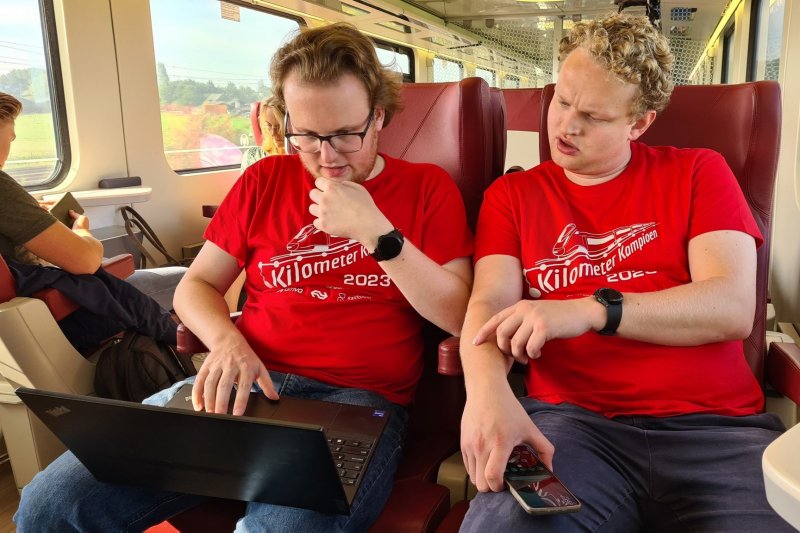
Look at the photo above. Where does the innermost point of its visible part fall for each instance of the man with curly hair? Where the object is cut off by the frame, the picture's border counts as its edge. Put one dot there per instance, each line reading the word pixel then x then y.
pixel 637 268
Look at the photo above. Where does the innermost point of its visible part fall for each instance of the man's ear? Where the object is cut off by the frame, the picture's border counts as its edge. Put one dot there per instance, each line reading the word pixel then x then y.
pixel 380 113
pixel 641 124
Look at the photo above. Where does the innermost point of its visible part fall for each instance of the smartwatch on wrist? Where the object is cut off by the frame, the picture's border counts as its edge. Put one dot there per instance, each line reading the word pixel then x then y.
pixel 389 246
pixel 612 300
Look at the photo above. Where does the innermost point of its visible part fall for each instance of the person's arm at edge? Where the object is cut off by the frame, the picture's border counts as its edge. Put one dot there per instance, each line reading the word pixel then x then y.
pixel 74 250
pixel 717 305
pixel 493 421
pixel 439 293
pixel 200 304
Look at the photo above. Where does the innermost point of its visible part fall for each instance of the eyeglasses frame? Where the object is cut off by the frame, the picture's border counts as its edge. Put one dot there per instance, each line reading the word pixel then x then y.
pixel 323 138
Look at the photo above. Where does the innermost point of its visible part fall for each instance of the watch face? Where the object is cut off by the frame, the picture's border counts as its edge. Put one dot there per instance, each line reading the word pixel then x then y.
pixel 611 296
pixel 390 246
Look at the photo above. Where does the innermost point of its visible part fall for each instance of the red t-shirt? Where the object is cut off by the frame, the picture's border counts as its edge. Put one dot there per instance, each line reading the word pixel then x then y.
pixel 631 234
pixel 319 305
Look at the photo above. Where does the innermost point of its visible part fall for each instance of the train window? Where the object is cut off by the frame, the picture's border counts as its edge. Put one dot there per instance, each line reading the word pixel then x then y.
pixel 487 75
pixel 727 55
pixel 397 58
pixel 29 70
pixel 212 61
pixel 447 70
pixel 511 82
pixel 766 40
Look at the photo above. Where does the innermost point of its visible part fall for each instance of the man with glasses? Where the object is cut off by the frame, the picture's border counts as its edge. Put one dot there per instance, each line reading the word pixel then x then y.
pixel 345 252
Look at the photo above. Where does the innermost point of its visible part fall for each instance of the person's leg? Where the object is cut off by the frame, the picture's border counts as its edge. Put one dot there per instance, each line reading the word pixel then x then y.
pixel 66 497
pixel 158 283
pixel 707 474
pixel 595 458
pixel 375 487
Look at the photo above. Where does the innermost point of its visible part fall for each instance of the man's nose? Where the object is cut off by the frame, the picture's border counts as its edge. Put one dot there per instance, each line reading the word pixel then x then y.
pixel 327 153
pixel 570 123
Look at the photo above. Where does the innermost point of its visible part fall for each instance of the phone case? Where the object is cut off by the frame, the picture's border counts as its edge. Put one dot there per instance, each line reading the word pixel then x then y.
pixel 61 209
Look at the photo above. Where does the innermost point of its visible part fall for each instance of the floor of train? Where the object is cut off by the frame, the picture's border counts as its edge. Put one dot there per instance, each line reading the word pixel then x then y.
pixel 9 497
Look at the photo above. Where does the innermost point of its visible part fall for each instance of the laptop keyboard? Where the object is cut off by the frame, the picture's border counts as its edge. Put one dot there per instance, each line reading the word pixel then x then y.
pixel 350 455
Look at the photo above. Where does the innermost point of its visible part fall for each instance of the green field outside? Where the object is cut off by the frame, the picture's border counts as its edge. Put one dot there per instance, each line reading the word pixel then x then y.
pixel 35 139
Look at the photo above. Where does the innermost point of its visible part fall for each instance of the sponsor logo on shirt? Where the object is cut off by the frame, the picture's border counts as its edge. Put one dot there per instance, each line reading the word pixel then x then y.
pixel 310 253
pixel 578 254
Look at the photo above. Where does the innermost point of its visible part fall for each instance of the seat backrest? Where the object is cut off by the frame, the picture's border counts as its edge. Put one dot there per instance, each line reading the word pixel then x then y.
pixel 523 109
pixel 743 123
pixel 453 126
pixel 450 125
pixel 499 132
pixel 8 287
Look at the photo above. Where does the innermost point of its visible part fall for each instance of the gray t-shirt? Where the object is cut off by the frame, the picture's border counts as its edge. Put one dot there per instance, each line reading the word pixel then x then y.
pixel 21 220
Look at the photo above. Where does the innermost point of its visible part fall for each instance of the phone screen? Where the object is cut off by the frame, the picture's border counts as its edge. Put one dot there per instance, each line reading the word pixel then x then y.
pixel 535 487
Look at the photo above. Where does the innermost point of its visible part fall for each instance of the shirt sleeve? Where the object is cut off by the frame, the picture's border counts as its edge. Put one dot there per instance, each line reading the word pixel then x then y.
pixel 498 226
pixel 228 228
pixel 717 199
pixel 23 219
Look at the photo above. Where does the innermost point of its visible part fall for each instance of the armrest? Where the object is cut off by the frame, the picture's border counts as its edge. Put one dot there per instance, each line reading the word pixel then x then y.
pixel 783 369
pixel 59 305
pixel 189 343
pixel 120 266
pixel 449 357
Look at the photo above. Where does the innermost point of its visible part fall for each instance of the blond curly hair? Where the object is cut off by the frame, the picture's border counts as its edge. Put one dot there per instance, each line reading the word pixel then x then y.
pixel 631 49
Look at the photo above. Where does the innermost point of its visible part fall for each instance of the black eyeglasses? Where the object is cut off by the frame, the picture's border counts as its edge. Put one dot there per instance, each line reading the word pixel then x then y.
pixel 343 143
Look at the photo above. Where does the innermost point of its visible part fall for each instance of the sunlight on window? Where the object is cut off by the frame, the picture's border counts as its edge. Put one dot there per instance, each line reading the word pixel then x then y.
pixel 210 68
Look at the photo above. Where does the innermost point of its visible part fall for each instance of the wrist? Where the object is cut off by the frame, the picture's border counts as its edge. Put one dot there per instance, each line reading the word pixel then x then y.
pixel 612 300
pixel 370 241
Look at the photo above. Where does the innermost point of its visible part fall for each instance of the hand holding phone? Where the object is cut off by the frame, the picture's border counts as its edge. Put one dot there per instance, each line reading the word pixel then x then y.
pixel 61 209
pixel 537 489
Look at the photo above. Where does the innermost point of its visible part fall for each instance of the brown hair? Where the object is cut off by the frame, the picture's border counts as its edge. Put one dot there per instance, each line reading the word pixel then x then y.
pixel 10 108
pixel 323 55
pixel 633 50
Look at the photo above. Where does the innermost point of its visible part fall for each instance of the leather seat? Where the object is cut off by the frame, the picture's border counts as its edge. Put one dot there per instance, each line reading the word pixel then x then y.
pixel 34 353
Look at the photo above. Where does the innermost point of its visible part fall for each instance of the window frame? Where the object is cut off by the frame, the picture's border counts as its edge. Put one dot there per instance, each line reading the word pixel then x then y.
pixel 401 50
pixel 58 103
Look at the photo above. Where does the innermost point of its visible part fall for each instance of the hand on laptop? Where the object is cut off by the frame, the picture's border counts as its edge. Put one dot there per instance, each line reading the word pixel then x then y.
pixel 222 369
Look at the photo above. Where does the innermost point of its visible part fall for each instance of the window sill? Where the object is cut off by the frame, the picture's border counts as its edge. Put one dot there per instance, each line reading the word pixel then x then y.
pixel 98 197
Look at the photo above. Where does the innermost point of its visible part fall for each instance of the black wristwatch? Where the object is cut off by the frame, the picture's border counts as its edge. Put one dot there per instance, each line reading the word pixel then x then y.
pixel 389 246
pixel 612 300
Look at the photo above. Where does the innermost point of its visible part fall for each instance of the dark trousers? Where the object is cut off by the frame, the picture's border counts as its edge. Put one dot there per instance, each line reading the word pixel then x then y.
pixel 108 305
pixel 694 472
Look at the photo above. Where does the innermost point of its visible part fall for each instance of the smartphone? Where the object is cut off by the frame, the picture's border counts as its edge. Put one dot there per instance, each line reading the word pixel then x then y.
pixel 61 209
pixel 535 487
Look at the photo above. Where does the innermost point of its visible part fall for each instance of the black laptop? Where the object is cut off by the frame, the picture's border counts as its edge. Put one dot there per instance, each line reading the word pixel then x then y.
pixel 295 452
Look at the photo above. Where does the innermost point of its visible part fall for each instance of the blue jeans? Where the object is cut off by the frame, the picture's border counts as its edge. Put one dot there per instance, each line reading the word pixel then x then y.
pixel 66 497
pixel 695 472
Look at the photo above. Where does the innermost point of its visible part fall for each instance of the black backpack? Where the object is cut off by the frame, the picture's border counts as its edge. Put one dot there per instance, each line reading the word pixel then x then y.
pixel 134 367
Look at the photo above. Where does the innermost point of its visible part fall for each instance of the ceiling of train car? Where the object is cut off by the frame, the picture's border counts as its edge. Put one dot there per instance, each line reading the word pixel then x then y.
pixel 694 20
